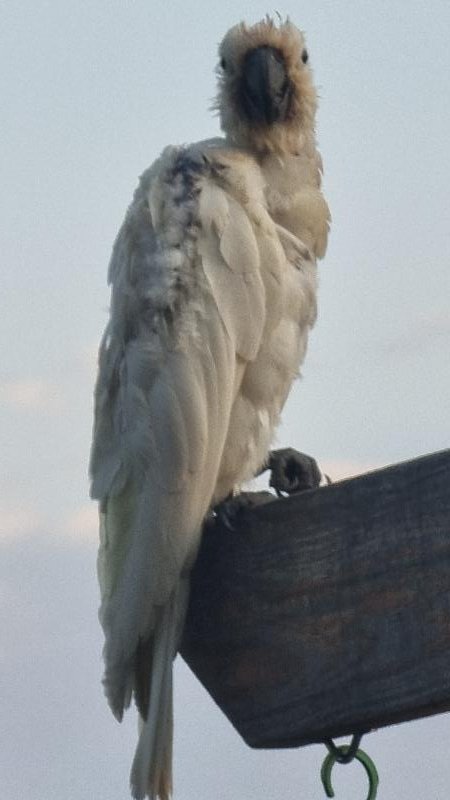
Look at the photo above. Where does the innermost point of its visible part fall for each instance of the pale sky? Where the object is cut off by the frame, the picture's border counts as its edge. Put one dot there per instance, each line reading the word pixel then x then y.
pixel 91 92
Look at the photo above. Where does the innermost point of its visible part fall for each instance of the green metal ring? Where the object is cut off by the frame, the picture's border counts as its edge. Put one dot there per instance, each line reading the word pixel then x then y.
pixel 363 758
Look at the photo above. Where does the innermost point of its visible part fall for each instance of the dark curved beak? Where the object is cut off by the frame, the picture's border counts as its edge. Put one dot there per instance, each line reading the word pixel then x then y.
pixel 265 87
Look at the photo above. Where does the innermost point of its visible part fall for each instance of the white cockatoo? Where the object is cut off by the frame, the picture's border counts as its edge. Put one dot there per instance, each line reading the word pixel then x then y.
pixel 213 278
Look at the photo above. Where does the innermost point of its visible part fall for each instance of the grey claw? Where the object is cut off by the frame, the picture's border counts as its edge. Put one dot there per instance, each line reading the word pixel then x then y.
pixel 229 512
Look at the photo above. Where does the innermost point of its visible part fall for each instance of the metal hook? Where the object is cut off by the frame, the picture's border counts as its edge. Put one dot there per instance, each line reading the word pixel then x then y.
pixel 344 755
pixel 350 750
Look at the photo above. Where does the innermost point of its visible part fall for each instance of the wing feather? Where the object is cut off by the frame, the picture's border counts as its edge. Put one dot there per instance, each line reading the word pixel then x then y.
pixel 188 305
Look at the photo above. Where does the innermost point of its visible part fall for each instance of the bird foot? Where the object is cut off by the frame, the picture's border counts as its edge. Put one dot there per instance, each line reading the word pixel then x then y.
pixel 291 471
pixel 230 511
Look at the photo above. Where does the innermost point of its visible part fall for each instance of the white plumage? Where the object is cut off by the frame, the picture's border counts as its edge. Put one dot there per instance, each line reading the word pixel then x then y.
pixel 213 279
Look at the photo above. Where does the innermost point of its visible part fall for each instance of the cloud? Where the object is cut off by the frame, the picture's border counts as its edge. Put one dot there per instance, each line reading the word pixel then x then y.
pixel 82 524
pixel 79 526
pixel 437 322
pixel 340 470
pixel 15 522
pixel 33 394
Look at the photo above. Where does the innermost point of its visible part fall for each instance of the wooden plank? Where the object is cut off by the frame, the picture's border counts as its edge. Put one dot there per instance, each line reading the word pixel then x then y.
pixel 328 612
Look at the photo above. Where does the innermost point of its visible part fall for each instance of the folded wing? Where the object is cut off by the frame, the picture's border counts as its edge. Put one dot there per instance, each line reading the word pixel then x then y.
pixel 187 313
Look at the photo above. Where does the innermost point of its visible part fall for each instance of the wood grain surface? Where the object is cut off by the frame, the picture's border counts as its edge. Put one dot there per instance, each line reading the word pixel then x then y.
pixel 328 612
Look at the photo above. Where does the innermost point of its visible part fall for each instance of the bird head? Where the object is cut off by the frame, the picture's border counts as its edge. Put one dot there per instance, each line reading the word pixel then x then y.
pixel 266 100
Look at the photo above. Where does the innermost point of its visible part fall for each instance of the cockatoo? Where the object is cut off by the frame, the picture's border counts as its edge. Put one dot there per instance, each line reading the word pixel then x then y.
pixel 213 278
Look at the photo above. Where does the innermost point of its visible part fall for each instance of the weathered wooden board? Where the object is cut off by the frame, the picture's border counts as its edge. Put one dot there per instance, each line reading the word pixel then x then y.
pixel 329 612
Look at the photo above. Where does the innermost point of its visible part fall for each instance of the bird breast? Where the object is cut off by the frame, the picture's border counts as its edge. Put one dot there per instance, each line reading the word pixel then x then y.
pixel 290 308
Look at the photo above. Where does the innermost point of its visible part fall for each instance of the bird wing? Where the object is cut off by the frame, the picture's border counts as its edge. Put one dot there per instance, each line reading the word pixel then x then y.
pixel 187 310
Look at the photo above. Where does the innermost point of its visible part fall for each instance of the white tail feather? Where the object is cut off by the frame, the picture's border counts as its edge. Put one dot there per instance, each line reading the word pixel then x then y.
pixel 151 772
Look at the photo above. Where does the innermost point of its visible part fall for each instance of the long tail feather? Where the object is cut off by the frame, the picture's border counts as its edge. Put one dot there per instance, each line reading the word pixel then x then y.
pixel 151 772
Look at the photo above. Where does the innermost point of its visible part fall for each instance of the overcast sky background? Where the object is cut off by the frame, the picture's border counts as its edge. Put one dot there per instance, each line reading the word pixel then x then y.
pixel 91 92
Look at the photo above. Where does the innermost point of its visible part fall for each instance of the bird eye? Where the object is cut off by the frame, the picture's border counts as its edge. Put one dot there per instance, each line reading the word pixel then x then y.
pixel 305 56
pixel 223 63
